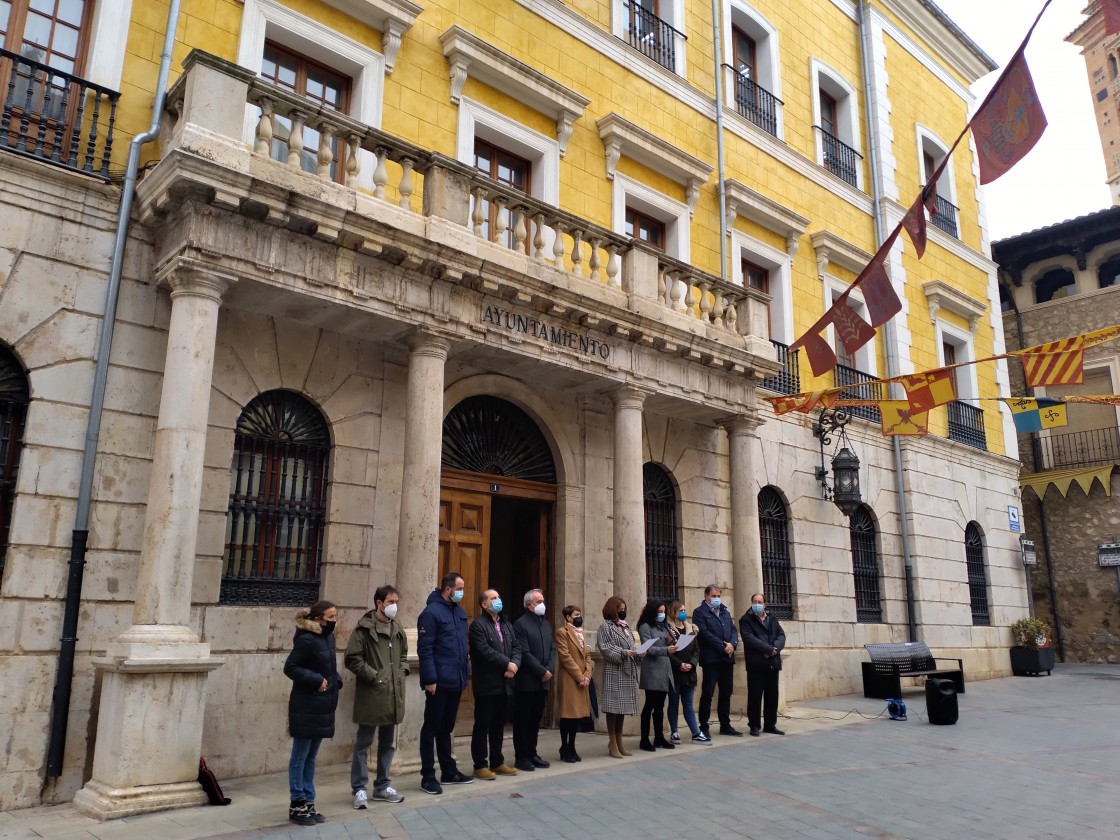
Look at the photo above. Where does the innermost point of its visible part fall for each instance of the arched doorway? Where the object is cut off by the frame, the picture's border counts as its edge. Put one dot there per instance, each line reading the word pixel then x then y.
pixel 497 494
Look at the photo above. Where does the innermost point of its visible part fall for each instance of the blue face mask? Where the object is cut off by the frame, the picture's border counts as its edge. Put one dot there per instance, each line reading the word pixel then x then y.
pixel 716 602
pixel 682 615
pixel 496 605
pixel 758 609
pixel 661 616
pixel 456 595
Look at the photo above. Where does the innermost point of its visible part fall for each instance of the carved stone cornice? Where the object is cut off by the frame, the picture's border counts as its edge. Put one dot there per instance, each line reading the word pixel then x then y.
pixel 775 217
pixel 391 17
pixel 941 295
pixel 831 249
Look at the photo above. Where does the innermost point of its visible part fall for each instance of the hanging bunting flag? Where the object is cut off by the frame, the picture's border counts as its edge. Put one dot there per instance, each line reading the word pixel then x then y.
pixel 1010 121
pixel 821 356
pixel 878 291
pixel 1094 399
pixel 1111 10
pixel 915 224
pixel 1055 363
pixel 852 331
pixel 1034 415
pixel 803 403
pixel 897 419
pixel 929 389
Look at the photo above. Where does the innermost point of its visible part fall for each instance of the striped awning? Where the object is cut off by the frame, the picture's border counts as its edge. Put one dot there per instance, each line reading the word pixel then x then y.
pixel 1062 479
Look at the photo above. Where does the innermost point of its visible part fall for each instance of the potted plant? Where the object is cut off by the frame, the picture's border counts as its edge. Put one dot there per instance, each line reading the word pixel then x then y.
pixel 1031 653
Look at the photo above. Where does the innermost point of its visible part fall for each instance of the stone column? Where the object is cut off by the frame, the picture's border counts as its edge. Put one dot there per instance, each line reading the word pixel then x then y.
pixel 746 545
pixel 629 506
pixel 153 693
pixel 418 538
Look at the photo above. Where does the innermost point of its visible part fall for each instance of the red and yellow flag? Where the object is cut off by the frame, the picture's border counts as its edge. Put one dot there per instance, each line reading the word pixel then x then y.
pixel 803 403
pixel 929 389
pixel 898 419
pixel 1056 363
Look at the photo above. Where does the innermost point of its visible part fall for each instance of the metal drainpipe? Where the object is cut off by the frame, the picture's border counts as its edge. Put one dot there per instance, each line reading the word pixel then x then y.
pixel 60 711
pixel 889 338
pixel 723 231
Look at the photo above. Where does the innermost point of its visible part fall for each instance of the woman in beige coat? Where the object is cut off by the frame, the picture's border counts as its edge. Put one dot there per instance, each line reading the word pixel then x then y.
pixel 572 680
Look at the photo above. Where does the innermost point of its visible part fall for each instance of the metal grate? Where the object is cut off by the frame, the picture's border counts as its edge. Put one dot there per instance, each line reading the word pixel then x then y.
pixel 650 35
pixel 755 102
pixel 1077 449
pixel 865 567
pixel 661 533
pixel 860 387
pixel 839 158
pixel 777 576
pixel 14 395
pixel 490 435
pixel 966 424
pixel 277 503
pixel 788 380
pixel 977 579
pixel 946 217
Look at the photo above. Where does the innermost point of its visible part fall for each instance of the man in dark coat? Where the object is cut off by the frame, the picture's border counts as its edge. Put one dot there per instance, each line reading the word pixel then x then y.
pixel 495 658
pixel 530 685
pixel 763 640
pixel 442 649
pixel 717 641
pixel 377 653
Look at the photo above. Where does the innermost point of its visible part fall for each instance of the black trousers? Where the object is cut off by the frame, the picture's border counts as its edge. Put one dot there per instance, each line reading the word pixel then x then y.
pixel 762 685
pixel 489 729
pixel 527 723
pixel 720 674
pixel 439 722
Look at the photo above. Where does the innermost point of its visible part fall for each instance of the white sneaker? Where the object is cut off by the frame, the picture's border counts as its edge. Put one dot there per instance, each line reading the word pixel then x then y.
pixel 676 738
pixel 360 800
pixel 387 794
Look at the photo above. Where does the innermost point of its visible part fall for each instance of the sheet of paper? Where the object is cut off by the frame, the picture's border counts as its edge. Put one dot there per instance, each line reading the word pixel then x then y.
pixel 684 641
pixel 644 646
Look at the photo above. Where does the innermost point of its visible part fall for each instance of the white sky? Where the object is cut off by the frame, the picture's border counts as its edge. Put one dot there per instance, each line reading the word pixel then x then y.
pixel 1064 175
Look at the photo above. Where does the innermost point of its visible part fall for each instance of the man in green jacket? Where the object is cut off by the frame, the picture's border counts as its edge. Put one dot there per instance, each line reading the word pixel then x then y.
pixel 378 654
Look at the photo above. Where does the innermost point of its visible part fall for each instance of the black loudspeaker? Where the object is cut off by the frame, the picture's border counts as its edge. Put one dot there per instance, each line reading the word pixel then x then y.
pixel 941 702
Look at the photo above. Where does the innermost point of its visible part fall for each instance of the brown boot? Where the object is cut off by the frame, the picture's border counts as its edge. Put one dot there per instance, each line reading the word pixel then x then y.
pixel 618 739
pixel 613 745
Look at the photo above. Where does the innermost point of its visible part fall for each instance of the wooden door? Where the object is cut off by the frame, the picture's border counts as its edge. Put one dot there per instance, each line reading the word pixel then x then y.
pixel 464 547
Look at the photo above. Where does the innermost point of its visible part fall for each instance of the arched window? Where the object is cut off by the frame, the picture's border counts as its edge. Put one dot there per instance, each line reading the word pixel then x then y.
pixel 777 577
pixel 491 435
pixel 277 503
pixel 661 532
pixel 977 577
pixel 14 395
pixel 865 567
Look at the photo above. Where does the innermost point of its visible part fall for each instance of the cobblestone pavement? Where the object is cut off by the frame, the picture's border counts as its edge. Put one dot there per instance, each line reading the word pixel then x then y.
pixel 1029 758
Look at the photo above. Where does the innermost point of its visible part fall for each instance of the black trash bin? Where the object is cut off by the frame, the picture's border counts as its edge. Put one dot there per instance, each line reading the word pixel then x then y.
pixel 941 701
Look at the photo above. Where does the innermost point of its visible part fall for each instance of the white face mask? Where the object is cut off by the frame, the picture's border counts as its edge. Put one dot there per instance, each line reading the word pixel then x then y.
pixel 539 608
pixel 390 611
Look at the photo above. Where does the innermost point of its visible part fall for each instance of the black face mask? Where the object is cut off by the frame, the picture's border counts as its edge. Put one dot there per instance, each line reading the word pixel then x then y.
pixel 577 622
pixel 328 628
pixel 621 615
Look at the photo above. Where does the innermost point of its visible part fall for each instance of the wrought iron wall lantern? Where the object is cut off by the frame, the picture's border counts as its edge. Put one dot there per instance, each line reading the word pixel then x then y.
pixel 844 492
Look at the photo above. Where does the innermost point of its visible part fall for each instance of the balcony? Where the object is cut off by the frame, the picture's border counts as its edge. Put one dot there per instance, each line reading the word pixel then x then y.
pixel 946 217
pixel 651 36
pixel 839 158
pixel 966 424
pixel 788 381
pixel 755 102
pixel 1076 449
pixel 56 117
pixel 859 386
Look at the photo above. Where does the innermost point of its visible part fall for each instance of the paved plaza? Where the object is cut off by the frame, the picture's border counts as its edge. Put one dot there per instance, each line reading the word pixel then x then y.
pixel 1029 758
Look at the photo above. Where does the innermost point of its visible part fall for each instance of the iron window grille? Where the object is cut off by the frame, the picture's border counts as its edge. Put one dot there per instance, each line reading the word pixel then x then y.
pixel 661 533
pixel 490 435
pixel 650 35
pixel 977 578
pixel 865 567
pixel 788 379
pixel 859 386
pixel 946 217
pixel 14 396
pixel 839 158
pixel 755 102
pixel 277 503
pixel 777 571
pixel 966 424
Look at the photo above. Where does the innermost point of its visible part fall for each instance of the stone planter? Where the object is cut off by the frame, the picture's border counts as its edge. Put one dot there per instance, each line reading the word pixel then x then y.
pixel 1031 661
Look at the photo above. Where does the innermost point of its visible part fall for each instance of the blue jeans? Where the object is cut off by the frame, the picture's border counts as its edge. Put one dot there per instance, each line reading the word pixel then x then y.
pixel 683 695
pixel 301 768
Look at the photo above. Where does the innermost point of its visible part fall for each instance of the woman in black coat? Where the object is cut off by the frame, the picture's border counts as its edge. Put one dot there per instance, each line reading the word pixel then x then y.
pixel 313 670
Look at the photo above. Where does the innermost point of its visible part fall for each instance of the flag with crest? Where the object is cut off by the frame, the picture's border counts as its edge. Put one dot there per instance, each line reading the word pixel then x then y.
pixel 1010 121
pixel 929 389
pixel 897 418
pixel 1034 415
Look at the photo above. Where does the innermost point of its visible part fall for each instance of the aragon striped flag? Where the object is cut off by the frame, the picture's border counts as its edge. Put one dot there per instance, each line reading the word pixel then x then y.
pixel 1056 363
pixel 897 419
pixel 929 389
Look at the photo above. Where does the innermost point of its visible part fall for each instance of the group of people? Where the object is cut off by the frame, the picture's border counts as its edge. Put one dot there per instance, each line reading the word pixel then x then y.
pixel 520 661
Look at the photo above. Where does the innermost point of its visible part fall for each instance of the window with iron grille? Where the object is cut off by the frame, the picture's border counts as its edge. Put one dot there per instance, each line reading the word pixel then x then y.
pixel 977 577
pixel 14 395
pixel 661 532
pixel 777 573
pixel 277 503
pixel 865 567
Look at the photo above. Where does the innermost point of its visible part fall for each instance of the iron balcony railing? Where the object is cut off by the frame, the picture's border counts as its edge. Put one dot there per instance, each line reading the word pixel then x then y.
pixel 946 217
pixel 966 424
pixel 755 102
pixel 56 117
pixel 788 380
pixel 862 387
pixel 1077 449
pixel 651 36
pixel 839 158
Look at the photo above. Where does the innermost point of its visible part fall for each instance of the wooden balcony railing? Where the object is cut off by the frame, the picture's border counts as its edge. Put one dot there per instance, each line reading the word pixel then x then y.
pixel 966 424
pixel 839 158
pixel 755 102
pixel 1076 449
pixel 651 36
pixel 56 117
